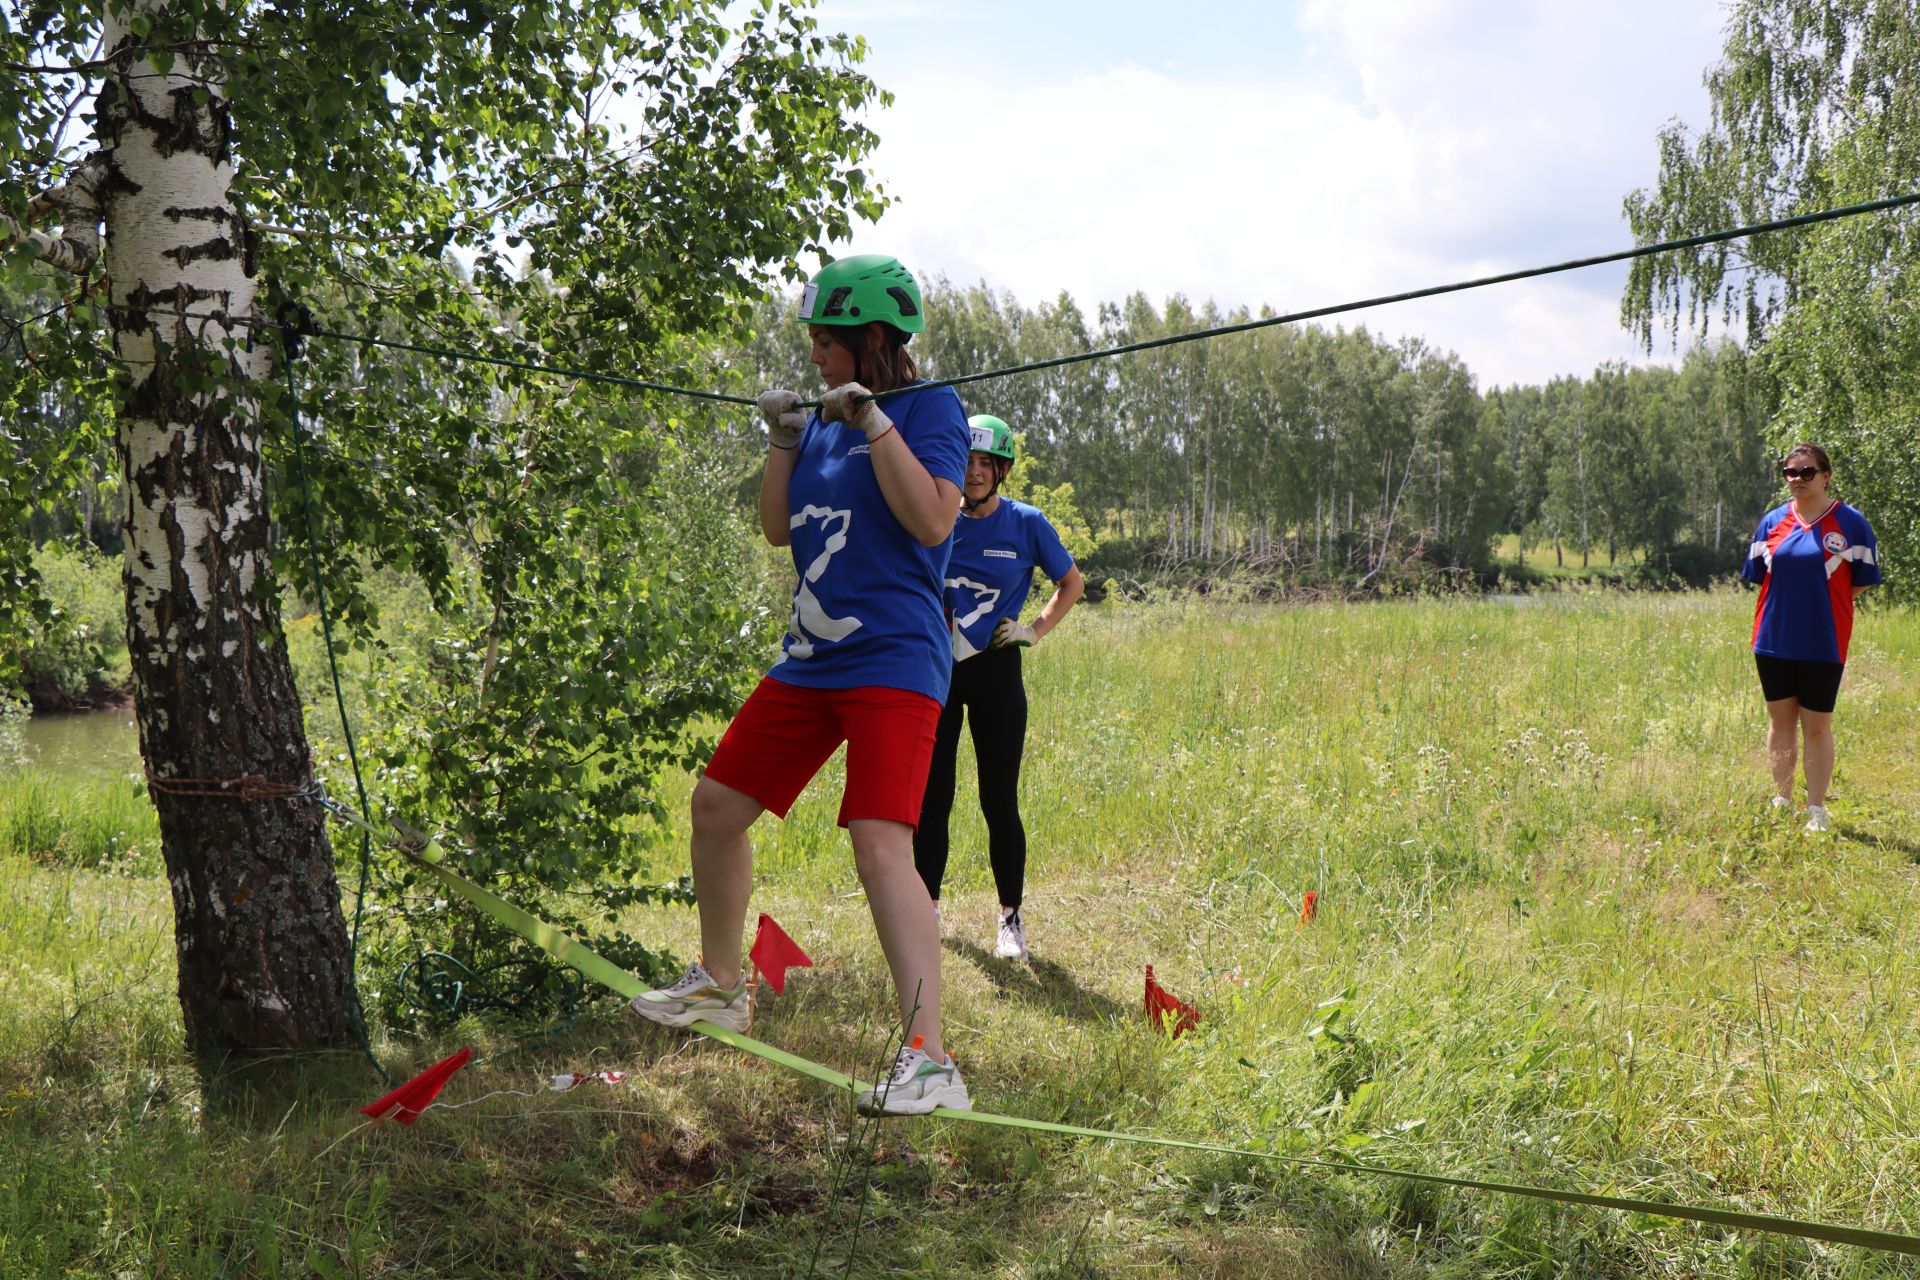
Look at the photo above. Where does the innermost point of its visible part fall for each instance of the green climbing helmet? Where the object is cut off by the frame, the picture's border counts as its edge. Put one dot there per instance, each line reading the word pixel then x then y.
pixel 990 435
pixel 861 289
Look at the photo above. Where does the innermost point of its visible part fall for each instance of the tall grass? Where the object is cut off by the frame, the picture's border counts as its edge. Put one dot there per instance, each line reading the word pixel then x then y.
pixel 1560 939
pixel 77 820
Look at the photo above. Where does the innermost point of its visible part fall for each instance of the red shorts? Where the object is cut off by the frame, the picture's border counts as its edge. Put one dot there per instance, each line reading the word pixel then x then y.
pixel 783 734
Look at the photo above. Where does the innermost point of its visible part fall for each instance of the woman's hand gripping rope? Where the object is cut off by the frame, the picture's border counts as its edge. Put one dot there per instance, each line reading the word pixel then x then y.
pixel 785 420
pixel 854 405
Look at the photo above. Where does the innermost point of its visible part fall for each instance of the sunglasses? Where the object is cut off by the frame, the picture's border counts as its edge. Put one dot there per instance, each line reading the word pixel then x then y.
pixel 1800 473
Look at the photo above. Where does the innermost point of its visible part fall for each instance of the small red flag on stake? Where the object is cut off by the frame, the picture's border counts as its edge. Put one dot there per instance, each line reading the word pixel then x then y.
pixel 1309 907
pixel 407 1102
pixel 774 953
pixel 1167 1011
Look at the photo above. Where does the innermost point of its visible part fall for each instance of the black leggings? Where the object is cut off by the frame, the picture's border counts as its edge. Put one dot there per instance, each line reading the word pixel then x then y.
pixel 989 685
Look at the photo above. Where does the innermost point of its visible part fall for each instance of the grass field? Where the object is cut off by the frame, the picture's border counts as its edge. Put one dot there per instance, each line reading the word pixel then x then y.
pixel 1559 941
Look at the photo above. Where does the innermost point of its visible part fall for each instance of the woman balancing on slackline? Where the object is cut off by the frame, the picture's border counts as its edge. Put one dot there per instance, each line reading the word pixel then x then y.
pixel 1811 557
pixel 865 493
pixel 997 544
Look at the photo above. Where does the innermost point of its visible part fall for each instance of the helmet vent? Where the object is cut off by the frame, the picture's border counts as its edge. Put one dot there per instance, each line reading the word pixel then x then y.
pixel 837 301
pixel 905 299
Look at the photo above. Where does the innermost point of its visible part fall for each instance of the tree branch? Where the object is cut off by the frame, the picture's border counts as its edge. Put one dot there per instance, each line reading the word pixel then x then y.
pixel 77 201
pixel 136 52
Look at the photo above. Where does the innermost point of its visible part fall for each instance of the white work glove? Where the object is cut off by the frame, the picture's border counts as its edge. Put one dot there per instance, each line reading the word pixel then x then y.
pixel 838 405
pixel 1011 631
pixel 784 417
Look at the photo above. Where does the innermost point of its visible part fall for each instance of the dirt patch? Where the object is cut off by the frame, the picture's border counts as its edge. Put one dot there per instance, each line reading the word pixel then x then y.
pixel 1694 907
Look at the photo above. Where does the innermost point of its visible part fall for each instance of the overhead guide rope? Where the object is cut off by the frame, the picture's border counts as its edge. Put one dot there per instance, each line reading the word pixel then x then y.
pixel 1197 335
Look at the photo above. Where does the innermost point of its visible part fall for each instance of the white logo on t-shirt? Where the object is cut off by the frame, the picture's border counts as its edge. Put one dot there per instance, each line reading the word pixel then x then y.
pixel 809 621
pixel 997 553
pixel 1835 542
pixel 984 598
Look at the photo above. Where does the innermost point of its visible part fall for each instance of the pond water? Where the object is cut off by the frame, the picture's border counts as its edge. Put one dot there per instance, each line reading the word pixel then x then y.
pixel 86 742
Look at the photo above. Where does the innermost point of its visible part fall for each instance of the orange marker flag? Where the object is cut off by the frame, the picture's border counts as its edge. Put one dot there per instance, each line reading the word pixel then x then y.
pixel 1309 907
pixel 407 1102
pixel 773 952
pixel 1168 1011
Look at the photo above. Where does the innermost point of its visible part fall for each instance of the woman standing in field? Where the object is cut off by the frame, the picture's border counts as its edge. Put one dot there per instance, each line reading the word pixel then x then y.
pixel 865 495
pixel 1811 557
pixel 997 544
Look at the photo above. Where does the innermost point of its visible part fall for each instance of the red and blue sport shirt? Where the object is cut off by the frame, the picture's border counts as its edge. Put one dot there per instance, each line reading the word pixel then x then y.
pixel 1807 572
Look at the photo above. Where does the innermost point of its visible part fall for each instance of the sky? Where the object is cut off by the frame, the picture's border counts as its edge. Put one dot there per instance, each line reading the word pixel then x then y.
pixel 1294 153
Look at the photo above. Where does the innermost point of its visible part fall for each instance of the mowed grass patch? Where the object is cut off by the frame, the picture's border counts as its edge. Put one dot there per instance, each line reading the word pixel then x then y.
pixel 1559 940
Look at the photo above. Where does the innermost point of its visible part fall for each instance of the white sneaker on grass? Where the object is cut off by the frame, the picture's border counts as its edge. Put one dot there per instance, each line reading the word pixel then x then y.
pixel 694 998
pixel 918 1085
pixel 1012 942
pixel 1817 819
pixel 1781 805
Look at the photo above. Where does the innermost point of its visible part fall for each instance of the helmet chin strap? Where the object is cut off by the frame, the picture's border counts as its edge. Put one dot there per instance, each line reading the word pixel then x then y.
pixel 969 505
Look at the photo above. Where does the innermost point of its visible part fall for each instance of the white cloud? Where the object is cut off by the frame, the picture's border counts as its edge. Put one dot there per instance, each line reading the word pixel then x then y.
pixel 1415 143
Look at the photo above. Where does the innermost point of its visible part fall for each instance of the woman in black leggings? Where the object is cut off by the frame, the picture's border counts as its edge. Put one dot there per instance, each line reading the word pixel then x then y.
pixel 997 545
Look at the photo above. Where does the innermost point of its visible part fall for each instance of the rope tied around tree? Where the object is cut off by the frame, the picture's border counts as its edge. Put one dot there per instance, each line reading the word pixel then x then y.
pixel 247 786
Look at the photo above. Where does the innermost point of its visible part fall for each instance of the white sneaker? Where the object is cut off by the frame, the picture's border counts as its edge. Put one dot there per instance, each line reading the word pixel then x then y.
pixel 1781 805
pixel 1012 943
pixel 1817 819
pixel 696 997
pixel 918 1085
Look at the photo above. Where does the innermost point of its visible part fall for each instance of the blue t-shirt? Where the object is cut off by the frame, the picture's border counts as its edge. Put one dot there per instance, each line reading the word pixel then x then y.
pixel 866 608
pixel 1807 573
pixel 991 570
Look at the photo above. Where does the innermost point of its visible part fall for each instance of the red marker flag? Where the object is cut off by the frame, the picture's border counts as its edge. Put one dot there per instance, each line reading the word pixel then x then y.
pixel 1168 1011
pixel 407 1102
pixel 1309 907
pixel 773 952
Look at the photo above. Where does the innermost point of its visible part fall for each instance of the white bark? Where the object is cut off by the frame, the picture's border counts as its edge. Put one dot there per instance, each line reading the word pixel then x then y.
pixel 77 204
pixel 178 283
pixel 261 944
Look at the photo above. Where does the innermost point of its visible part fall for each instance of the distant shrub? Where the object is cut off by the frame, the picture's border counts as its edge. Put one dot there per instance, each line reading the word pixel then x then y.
pixel 79 652
pixel 1686 564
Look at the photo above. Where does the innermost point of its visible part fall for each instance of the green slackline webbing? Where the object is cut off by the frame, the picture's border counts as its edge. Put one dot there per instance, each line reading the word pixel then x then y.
pixel 1292 317
pixel 569 950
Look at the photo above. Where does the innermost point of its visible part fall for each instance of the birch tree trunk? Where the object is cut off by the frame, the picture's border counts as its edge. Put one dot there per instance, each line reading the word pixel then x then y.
pixel 259 937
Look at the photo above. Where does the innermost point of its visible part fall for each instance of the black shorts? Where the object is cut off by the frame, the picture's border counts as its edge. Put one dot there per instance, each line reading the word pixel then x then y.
pixel 1815 684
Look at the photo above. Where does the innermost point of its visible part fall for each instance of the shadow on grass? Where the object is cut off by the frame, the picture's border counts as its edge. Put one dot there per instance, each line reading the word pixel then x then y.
pixel 1899 844
pixel 250 1092
pixel 1041 982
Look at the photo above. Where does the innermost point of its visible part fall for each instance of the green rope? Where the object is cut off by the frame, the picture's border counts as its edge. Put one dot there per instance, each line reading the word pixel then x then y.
pixel 290 347
pixel 447 988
